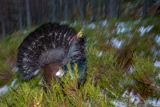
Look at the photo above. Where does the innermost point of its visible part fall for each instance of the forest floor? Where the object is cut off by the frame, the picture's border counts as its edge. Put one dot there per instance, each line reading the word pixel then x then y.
pixel 123 65
pixel 123 68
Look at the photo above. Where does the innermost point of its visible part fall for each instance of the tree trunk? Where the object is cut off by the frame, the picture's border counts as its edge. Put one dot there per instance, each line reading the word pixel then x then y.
pixel 42 12
pixel 106 6
pixel 28 14
pixel 119 8
pixel 62 8
pixel 101 7
pixel 7 16
pixel 82 7
pixel 56 10
pixel 113 9
pixel 150 3
pixel 71 8
pixel 3 28
pixel 145 7
pixel 20 15
pixel 66 12
pixel 94 4
pixel 85 2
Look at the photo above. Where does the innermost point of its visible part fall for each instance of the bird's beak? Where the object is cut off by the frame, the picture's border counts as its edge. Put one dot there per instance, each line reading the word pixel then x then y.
pixel 79 34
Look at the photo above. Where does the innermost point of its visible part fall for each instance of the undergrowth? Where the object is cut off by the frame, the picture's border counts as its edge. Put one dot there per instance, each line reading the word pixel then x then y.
pixel 131 66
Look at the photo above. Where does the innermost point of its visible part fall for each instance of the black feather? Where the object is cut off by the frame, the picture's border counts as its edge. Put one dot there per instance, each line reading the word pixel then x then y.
pixel 47 44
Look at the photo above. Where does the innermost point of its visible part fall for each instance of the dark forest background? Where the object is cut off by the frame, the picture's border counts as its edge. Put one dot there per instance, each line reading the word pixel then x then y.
pixel 18 14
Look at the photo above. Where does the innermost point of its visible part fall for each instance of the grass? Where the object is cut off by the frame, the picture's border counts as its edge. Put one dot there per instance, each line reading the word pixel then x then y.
pixel 8 54
pixel 108 76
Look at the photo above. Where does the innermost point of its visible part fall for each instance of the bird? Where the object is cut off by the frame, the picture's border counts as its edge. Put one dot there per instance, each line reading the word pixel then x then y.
pixel 51 47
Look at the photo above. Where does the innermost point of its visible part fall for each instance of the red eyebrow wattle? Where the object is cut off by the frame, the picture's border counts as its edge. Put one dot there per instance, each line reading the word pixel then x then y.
pixel 73 37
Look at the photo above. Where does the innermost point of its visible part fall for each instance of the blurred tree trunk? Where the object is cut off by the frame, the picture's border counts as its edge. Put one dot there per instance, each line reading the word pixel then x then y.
pixel 39 12
pixel 42 12
pixel 145 7
pixel 94 4
pixel 106 6
pixel 62 8
pixel 150 3
pixel 49 10
pixel 82 7
pixel 35 10
pixel 102 2
pixel 7 17
pixel 113 8
pixel 58 9
pixel 71 8
pixel 55 10
pixel 119 8
pixel 20 15
pixel 2 21
pixel 8 21
pixel 66 10
pixel 28 13
pixel 3 27
pixel 85 7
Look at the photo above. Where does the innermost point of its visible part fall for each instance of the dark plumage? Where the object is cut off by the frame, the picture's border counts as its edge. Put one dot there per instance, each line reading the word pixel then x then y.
pixel 51 46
